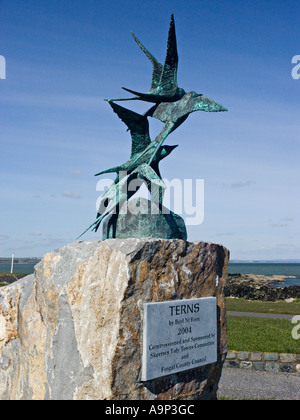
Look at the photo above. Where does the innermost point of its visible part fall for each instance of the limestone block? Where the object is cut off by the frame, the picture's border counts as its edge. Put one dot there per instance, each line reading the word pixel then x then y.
pixel 231 355
pixel 73 330
pixel 246 365
pixel 271 367
pixel 256 356
pixel 259 366
pixel 243 355
pixel 287 368
pixel 288 358
pixel 271 356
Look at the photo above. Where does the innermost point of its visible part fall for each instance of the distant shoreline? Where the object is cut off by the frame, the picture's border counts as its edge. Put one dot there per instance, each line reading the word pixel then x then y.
pixel 286 270
pixel 33 260
pixel 287 261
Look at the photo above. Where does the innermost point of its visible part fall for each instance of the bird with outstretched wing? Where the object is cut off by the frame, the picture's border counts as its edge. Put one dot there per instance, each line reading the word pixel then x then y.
pixel 135 168
pixel 174 114
pixel 164 87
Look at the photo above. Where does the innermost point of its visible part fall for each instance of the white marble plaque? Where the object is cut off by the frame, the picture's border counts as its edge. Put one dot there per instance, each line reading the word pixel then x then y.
pixel 178 335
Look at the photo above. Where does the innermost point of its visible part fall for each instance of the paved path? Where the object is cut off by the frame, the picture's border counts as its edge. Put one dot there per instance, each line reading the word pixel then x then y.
pixel 260 315
pixel 239 383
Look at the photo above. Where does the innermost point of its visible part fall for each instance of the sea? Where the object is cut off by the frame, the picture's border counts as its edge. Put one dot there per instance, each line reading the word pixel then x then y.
pixel 18 268
pixel 266 269
pixel 269 269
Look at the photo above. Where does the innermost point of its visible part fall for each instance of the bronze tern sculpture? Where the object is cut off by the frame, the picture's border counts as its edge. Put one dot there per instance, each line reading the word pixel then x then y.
pixel 172 106
pixel 164 87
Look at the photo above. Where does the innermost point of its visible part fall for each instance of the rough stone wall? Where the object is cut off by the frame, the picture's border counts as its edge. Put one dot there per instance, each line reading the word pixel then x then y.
pixel 73 329
pixel 259 361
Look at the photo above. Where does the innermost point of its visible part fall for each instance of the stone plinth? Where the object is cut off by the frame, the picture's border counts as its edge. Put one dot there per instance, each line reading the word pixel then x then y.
pixel 74 329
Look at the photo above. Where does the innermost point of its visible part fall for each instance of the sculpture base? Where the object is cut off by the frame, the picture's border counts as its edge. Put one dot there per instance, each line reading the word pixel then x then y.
pixel 73 330
pixel 140 218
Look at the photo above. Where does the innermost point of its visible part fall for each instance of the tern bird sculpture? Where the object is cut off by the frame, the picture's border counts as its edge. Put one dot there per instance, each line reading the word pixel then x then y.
pixel 174 114
pixel 141 145
pixel 135 168
pixel 164 86
pixel 172 106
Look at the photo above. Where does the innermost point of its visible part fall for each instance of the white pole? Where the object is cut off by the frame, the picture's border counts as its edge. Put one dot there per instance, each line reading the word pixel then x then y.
pixel 12 263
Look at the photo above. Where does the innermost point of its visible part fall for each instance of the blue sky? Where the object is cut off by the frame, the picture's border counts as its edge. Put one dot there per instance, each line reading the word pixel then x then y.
pixel 64 57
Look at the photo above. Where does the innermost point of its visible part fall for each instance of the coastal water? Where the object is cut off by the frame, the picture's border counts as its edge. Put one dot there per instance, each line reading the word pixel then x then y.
pixel 265 269
pixel 18 268
pixel 269 269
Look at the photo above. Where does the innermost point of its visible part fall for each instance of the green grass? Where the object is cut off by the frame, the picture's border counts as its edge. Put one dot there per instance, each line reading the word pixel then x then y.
pixel 257 334
pixel 17 275
pixel 279 307
pixel 8 278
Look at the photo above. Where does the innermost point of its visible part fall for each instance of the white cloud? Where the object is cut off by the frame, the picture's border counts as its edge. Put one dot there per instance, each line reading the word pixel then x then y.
pixel 282 222
pixel 279 224
pixel 70 194
pixel 242 184
pixel 289 219
pixel 76 172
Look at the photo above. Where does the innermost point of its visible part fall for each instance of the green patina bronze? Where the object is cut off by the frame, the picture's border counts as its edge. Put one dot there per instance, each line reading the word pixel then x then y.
pixel 144 219
pixel 172 106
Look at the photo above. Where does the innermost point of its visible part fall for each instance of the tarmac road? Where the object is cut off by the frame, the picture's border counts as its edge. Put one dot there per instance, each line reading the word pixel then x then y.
pixel 240 384
pixel 260 315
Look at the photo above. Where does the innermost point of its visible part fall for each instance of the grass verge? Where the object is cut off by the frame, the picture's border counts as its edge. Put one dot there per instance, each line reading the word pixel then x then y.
pixel 266 335
pixel 7 278
pixel 279 307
